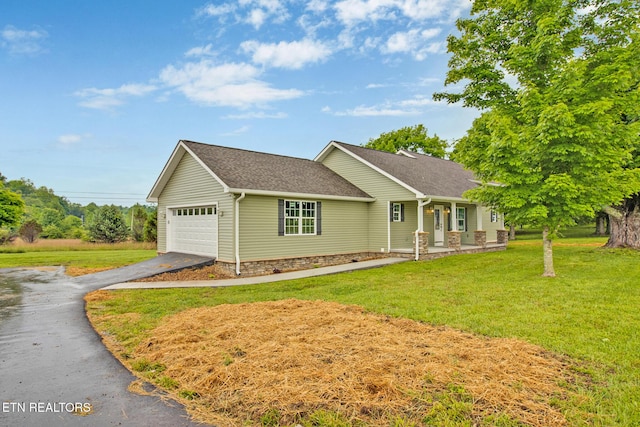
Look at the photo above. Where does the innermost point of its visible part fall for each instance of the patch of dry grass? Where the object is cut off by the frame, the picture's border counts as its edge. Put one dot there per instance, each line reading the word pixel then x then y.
pixel 78 245
pixel 241 364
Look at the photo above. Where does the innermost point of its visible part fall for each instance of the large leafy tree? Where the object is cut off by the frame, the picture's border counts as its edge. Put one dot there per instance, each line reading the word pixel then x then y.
pixel 556 81
pixel 411 138
pixel 11 207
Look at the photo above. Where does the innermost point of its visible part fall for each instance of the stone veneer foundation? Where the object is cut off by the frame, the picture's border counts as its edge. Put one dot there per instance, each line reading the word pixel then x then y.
pixel 258 268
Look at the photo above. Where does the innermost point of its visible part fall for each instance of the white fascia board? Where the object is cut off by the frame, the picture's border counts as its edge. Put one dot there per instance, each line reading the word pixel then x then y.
pixel 320 157
pixel 167 171
pixel 171 166
pixel 418 194
pixel 206 168
pixel 299 195
pixel 437 199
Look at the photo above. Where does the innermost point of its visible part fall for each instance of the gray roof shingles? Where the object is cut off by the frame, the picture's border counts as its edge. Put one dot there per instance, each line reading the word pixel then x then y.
pixel 431 176
pixel 251 170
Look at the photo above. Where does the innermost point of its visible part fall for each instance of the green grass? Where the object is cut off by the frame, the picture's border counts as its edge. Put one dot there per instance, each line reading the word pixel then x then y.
pixel 74 253
pixel 590 311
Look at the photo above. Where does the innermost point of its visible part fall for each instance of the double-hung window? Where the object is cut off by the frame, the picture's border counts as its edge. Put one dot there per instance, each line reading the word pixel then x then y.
pixel 461 215
pixel 299 217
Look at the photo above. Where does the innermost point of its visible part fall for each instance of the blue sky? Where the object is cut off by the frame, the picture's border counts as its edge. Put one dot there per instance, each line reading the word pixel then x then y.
pixel 95 95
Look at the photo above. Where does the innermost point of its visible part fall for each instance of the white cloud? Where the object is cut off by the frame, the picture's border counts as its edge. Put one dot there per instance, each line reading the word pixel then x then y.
pixel 216 10
pixel 106 99
pixel 413 42
pixel 353 12
pixel 420 101
pixel 22 42
pixel 70 139
pixel 317 6
pixel 257 115
pixel 291 55
pixel 256 17
pixel 406 107
pixel 200 51
pixel 372 111
pixel 231 84
pixel 239 131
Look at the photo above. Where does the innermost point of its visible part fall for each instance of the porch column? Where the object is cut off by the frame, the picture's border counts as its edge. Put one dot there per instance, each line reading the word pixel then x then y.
pixel 479 213
pixel 454 217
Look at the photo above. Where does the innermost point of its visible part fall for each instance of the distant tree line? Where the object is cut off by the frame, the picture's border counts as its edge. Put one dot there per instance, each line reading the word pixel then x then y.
pixel 32 213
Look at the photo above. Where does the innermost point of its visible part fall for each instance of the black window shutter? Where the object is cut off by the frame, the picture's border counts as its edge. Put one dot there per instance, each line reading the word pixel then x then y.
pixel 390 212
pixel 401 212
pixel 318 218
pixel 280 217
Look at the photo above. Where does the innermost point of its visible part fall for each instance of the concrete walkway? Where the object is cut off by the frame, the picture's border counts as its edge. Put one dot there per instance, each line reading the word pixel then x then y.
pixel 322 271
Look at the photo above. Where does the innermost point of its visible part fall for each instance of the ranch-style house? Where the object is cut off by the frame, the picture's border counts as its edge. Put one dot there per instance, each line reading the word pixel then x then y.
pixel 257 212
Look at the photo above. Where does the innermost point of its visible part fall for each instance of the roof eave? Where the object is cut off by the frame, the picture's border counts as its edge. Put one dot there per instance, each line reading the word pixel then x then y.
pixel 170 167
pixel 334 144
pixel 297 195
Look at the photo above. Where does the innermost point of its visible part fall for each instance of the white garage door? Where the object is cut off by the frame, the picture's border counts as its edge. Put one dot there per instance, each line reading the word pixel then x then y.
pixel 193 230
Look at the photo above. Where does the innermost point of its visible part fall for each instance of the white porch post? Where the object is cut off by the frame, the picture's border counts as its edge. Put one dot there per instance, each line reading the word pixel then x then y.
pixel 454 217
pixel 479 213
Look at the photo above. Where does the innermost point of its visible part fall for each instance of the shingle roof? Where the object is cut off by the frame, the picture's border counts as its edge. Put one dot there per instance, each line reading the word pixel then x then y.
pixel 251 170
pixel 430 176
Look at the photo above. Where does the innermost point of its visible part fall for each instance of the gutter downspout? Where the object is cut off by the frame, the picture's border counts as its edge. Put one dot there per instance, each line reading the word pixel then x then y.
pixel 237 237
pixel 388 227
pixel 421 205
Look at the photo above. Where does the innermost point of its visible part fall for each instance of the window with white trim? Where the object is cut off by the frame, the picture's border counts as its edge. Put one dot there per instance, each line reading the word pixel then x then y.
pixel 461 215
pixel 494 216
pixel 299 217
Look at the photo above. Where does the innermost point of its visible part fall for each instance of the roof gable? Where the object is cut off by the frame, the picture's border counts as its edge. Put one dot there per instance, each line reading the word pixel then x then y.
pixel 261 173
pixel 424 175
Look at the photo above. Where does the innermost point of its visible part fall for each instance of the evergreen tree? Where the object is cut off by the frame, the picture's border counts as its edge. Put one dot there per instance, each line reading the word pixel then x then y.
pixel 108 225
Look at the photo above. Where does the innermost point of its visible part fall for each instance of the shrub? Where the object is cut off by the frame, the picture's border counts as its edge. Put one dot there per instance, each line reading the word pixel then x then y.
pixel 30 231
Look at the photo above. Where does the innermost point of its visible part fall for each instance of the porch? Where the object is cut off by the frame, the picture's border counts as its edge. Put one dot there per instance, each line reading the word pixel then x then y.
pixel 434 252
pixel 424 229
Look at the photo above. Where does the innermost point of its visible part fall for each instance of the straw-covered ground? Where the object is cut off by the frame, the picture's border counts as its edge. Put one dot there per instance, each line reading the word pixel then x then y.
pixel 321 363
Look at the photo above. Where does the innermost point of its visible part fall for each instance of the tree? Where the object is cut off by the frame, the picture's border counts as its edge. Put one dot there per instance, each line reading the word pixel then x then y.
pixel 11 207
pixel 151 227
pixel 138 220
pixel 555 80
pixel 108 225
pixel 411 138
pixel 30 231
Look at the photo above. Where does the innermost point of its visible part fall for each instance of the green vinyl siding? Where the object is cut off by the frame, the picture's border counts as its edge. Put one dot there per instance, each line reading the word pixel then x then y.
pixel 402 233
pixel 380 187
pixel 491 227
pixel 344 230
pixel 191 184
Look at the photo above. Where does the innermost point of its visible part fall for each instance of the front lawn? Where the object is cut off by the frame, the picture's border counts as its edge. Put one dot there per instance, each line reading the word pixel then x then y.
pixel 589 312
pixel 79 257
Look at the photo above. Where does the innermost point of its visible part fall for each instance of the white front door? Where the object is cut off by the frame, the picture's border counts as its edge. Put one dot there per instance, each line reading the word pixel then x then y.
pixel 438 225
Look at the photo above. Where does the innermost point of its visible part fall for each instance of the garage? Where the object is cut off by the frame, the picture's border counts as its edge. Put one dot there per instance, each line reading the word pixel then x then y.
pixel 193 230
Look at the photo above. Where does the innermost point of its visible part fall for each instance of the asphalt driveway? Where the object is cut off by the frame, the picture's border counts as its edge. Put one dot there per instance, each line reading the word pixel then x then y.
pixel 53 364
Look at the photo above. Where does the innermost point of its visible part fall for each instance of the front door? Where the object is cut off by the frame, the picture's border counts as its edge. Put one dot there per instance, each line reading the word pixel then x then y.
pixel 438 225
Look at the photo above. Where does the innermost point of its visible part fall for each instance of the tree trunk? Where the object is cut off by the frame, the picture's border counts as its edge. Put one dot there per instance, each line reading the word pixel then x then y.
pixel 548 254
pixel 601 224
pixel 624 221
pixel 512 232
